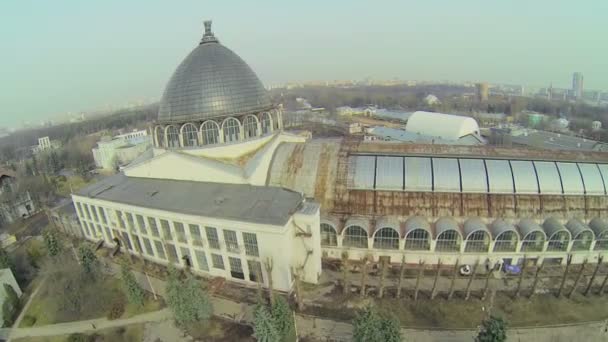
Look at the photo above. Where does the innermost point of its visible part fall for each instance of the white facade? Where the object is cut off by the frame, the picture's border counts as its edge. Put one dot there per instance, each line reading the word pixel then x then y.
pixel 444 126
pixel 13 204
pixel 121 149
pixel 214 247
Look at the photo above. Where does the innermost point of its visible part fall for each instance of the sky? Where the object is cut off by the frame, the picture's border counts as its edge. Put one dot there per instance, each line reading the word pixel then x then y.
pixel 65 56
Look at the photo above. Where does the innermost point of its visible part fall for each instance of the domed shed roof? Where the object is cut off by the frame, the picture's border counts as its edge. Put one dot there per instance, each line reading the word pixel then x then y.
pixel 212 82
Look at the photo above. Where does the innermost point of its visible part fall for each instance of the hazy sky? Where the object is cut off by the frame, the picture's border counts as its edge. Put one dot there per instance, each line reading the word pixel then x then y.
pixel 67 56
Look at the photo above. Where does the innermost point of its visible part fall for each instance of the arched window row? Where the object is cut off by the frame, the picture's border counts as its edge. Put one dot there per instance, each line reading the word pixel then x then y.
pixel 449 237
pixel 213 132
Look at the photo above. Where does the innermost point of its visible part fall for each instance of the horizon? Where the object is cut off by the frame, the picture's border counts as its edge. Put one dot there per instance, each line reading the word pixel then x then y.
pixel 69 54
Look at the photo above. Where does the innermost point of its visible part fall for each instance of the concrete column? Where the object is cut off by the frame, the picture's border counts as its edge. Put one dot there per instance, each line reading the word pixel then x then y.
pixel 339 240
pixel 463 245
pixel 592 246
pixel 401 244
pixel 433 245
pixel 491 247
pixel 181 138
pixel 570 244
pixel 221 139
pixel 518 247
pixel 259 128
pixel 545 246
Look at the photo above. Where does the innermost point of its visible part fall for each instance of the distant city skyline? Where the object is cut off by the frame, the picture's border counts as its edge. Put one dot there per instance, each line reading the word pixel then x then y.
pixel 70 56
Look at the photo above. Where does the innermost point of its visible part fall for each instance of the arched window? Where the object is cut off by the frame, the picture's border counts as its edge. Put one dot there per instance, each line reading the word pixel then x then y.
pixel 477 241
pixel 355 236
pixel 250 127
pixel 190 135
pixel 533 242
pixel 328 235
pixel 448 240
pixel 602 241
pixel 160 136
pixel 266 123
pixel 172 136
pixel 232 130
pixel 506 242
pixel 386 238
pixel 559 241
pixel 417 239
pixel 582 241
pixel 210 131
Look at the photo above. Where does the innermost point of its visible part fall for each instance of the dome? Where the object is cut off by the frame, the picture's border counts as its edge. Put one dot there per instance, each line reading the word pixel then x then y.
pixel 212 82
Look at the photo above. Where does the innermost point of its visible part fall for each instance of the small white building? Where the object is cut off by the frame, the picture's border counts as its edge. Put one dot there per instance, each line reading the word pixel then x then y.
pixel 444 126
pixel 13 204
pixel 596 125
pixel 431 100
pixel 45 144
pixel 121 149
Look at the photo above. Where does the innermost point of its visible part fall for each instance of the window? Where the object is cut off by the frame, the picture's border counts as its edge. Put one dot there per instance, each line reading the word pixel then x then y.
pixel 108 234
pixel 236 268
pixel 153 226
pixel 558 241
pixel 102 213
pixel 477 241
pixel 232 244
pixel 172 136
pixel 121 222
pixel 171 252
pixel 86 211
pixel 506 242
pixel 180 232
pixel 217 261
pixel 148 247
pixel 138 248
pixel 201 260
pixel 417 239
pixel 255 271
pixel 160 252
pixel 189 135
pixel 266 123
pixel 232 130
pixel 212 237
pixel 250 126
pixel 386 238
pixel 79 208
pixel 355 236
pixel 195 233
pixel 448 241
pixel 328 235
pixel 99 232
pixel 94 212
pixel 582 241
pixel 533 242
pixel 125 237
pixel 602 242
pixel 141 223
pixel 130 222
pixel 166 229
pixel 186 261
pixel 211 133
pixel 251 244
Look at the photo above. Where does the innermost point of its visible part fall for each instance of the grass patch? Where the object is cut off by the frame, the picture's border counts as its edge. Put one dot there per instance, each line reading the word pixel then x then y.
pixel 44 308
pixel 129 333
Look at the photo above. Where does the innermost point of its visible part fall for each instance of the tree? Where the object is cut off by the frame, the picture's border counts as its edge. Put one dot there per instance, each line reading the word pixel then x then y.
pixel 369 326
pixel 5 260
pixel 187 299
pixel 53 244
pixel 135 294
pixel 10 305
pixel 88 259
pixel 282 317
pixel 264 325
pixel 493 329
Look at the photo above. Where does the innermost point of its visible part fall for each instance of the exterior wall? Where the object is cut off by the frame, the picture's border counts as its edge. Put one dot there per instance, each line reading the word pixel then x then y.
pixel 275 243
pixel 107 152
pixel 17 206
pixel 307 249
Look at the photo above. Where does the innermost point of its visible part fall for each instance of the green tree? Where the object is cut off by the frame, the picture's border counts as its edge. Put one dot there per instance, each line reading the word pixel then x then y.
pixel 10 305
pixel 5 260
pixel 283 319
pixel 264 326
pixel 135 294
pixel 88 259
pixel 187 299
pixel 369 326
pixel 493 329
pixel 53 245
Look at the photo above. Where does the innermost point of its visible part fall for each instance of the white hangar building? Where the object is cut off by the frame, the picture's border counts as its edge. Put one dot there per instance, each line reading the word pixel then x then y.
pixel 227 189
pixel 444 126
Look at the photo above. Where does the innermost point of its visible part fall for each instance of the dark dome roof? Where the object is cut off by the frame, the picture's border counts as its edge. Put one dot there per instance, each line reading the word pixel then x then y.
pixel 212 82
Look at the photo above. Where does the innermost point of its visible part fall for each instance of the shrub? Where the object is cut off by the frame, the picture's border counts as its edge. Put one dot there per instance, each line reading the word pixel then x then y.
pixel 117 309
pixel 28 320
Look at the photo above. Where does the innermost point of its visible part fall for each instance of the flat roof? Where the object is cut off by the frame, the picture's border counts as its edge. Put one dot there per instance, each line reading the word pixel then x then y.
pixel 240 202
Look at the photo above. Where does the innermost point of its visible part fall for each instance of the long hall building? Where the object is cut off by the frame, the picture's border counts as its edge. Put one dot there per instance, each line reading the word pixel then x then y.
pixel 229 192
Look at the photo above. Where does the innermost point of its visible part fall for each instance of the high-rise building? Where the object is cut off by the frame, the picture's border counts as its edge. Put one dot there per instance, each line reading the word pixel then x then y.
pixel 482 91
pixel 577 85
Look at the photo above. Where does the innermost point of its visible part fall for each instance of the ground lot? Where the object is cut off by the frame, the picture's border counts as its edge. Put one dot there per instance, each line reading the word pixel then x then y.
pixel 128 333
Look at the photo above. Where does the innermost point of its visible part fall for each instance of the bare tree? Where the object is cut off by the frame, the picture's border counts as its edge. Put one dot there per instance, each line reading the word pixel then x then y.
pixel 454 274
pixel 597 268
pixel 420 272
pixel 401 273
